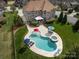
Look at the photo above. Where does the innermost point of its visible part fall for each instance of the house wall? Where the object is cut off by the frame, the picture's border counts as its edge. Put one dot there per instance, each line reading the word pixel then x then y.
pixel 49 15
pixel 31 15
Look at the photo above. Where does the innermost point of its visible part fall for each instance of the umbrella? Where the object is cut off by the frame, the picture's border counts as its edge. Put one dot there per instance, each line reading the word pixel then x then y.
pixel 36 30
pixel 27 40
pixel 38 18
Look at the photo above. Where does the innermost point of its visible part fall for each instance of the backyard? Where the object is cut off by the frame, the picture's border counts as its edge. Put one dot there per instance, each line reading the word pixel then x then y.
pixel 11 49
pixel 69 38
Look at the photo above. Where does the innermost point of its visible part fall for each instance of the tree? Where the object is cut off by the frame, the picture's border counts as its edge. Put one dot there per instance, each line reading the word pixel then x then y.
pixel 18 22
pixel 10 17
pixel 64 20
pixel 76 26
pixel 76 8
pixel 70 10
pixel 60 17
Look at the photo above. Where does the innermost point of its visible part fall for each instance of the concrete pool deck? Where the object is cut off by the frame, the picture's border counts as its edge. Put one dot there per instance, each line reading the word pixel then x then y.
pixel 43 31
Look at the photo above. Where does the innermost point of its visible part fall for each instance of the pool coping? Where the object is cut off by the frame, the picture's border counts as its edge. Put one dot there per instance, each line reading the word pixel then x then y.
pixel 46 53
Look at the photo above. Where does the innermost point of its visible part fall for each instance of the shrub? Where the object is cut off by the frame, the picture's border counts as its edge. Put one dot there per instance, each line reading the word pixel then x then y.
pixel 60 17
pixel 70 11
pixel 18 21
pixel 64 20
pixel 34 23
pixel 76 9
pixel 77 15
pixel 76 26
pixel 49 22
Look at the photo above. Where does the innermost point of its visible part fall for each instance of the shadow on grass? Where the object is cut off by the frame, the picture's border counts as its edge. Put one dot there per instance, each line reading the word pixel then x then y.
pixel 23 49
pixel 74 29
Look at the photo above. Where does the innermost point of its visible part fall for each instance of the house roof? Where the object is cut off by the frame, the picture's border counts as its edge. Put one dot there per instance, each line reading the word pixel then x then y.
pixel 48 6
pixel 72 20
pixel 2 3
pixel 35 5
pixel 75 3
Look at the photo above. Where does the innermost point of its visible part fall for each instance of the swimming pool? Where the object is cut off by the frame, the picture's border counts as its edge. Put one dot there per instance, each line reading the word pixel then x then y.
pixel 43 43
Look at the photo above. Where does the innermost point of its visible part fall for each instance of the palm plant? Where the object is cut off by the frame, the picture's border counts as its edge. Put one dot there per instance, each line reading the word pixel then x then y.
pixel 10 18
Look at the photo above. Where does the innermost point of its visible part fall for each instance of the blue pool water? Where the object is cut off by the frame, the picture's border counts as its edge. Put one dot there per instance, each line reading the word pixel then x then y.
pixel 44 43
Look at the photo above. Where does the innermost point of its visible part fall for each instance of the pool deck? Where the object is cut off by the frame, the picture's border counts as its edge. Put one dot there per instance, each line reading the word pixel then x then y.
pixel 43 31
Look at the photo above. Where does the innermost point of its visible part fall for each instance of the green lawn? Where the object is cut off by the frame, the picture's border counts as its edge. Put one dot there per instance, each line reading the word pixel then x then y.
pixel 65 31
pixel 69 38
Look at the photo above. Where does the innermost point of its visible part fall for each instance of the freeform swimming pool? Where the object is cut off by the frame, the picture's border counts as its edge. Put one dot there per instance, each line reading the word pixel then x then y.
pixel 43 43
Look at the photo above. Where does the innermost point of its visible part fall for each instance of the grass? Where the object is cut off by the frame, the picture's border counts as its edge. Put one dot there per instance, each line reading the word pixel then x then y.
pixel 19 36
pixel 69 39
pixel 5 45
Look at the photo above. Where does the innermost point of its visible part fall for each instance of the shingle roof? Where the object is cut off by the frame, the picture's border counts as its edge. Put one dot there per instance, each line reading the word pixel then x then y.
pixel 36 5
pixel 2 3
pixel 72 20
pixel 48 6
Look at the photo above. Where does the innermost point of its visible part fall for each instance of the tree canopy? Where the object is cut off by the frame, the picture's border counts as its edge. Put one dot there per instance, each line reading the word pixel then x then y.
pixel 10 17
pixel 64 20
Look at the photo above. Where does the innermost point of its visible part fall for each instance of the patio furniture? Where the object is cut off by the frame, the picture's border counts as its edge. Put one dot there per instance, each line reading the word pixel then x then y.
pixel 26 41
pixel 31 43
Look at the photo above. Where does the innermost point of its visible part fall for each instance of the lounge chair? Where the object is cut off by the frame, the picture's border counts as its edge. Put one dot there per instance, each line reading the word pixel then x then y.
pixel 31 43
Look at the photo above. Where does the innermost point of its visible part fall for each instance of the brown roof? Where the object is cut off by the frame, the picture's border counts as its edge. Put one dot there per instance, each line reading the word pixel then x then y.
pixel 2 3
pixel 35 5
pixel 48 6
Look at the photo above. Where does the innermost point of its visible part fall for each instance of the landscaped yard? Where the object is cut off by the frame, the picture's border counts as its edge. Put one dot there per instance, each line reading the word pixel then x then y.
pixel 5 45
pixel 69 38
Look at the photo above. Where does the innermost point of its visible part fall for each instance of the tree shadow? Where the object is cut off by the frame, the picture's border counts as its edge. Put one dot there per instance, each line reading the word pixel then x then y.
pixel 74 29
pixel 23 49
